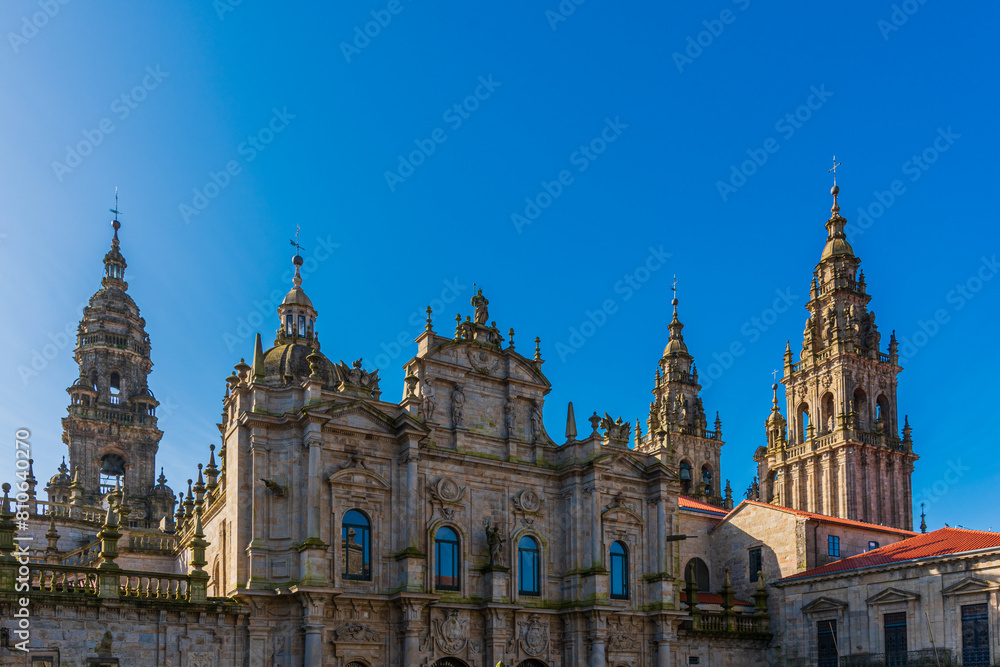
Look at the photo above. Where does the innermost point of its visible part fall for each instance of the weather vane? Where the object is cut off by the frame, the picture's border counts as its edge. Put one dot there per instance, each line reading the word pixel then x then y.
pixel 833 170
pixel 115 209
pixel 298 248
pixel 774 375
pixel 673 285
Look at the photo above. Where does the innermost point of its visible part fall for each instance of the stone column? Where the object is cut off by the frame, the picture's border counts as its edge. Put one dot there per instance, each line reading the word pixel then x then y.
pixel 312 625
pixel 597 556
pixel 663 652
pixel 661 536
pixel 313 489
pixel 412 499
pixel 256 551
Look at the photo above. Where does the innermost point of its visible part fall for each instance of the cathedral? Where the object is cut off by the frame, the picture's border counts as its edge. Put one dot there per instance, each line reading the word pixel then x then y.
pixel 332 527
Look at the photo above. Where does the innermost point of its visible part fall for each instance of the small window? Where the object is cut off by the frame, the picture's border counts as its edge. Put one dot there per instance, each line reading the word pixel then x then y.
pixel 833 546
pixel 686 478
pixel 706 480
pixel 527 566
pixel 872 545
pixel 114 388
pixel 356 540
pixel 288 325
pixel 446 557
pixel 302 325
pixel 619 571
pixel 756 563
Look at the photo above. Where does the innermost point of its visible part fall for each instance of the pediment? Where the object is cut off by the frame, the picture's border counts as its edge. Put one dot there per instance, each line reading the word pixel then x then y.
pixel 891 595
pixel 360 416
pixel 970 585
pixel 356 475
pixel 822 604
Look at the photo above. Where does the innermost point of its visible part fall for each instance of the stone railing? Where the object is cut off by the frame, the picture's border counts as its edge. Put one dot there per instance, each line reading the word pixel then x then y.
pixel 69 511
pixel 48 579
pixel 111 415
pixel 62 579
pixel 734 625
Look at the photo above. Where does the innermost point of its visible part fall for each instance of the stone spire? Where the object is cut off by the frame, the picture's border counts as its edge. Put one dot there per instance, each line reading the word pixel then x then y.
pixel 297 317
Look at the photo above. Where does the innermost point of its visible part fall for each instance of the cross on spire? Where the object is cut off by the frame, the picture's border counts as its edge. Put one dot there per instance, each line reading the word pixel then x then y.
pixel 774 375
pixel 673 285
pixel 833 169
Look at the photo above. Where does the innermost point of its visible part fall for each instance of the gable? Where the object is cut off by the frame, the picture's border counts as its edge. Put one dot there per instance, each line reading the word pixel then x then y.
pixel 890 595
pixel 360 416
pixel 823 604
pixel 970 585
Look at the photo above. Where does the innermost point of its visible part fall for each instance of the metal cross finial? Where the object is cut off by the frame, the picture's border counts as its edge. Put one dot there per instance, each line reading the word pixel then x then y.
pixel 833 169
pixel 774 375
pixel 673 285
pixel 115 209
pixel 298 248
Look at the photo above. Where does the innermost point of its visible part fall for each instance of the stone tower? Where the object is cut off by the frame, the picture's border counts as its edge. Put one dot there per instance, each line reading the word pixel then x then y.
pixel 839 453
pixel 110 427
pixel 677 409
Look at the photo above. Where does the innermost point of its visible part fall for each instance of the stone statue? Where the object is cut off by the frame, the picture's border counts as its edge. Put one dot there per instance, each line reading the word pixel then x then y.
pixel 510 417
pixel 457 406
pixel 536 421
pixel 494 540
pixel 480 303
pixel 831 325
pixel 429 400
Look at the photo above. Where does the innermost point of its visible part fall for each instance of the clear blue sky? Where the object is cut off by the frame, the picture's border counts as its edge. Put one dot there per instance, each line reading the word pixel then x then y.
pixel 309 115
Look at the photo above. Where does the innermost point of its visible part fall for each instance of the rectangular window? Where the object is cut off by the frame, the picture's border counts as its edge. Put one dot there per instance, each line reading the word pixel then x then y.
pixel 975 635
pixel 826 635
pixel 895 639
pixel 756 563
pixel 872 545
pixel 833 546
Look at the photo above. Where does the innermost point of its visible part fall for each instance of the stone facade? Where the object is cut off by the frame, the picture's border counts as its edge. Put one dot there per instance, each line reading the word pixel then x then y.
pixel 451 528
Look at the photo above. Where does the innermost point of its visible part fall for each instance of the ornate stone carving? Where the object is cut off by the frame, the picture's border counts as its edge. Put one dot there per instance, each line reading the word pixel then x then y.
pixel 447 494
pixel 428 400
pixel 536 421
pixel 495 541
pixel 457 406
pixel 451 635
pixel 483 362
pixel 355 377
pixel 615 431
pixel 358 633
pixel 510 417
pixel 534 635
pixel 480 303
pixel 527 501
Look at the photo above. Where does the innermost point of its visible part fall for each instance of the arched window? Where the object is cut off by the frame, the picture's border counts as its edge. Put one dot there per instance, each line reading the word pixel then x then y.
pixel 861 409
pixel 686 478
pixel 697 571
pixel 114 387
pixel 527 566
pixel 93 379
pixel 112 467
pixel 706 480
pixel 356 538
pixel 803 422
pixel 829 422
pixel 619 571
pixel 882 411
pixel 302 325
pixel 288 325
pixel 446 557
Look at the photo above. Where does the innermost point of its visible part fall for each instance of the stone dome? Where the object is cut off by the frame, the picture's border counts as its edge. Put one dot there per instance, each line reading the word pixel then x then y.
pixel 292 359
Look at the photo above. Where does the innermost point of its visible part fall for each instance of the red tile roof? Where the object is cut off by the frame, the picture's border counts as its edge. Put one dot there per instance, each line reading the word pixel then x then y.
pixel 940 542
pixel 691 504
pixel 823 518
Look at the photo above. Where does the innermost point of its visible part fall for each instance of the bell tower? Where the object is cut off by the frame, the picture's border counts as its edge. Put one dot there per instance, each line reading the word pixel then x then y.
pixel 678 411
pixel 841 453
pixel 110 427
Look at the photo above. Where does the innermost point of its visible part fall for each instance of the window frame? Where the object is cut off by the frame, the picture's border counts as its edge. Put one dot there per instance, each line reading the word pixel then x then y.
pixel 872 545
pixel 759 553
pixel 833 546
pixel 535 553
pixel 366 547
pixel 624 558
pixel 456 554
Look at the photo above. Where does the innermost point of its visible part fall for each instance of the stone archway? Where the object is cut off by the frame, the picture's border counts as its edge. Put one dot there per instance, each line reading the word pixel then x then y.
pixel 449 662
pixel 531 663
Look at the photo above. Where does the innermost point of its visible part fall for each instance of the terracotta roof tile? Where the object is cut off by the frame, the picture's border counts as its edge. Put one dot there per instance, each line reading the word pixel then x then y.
pixel 691 504
pixel 940 542
pixel 823 518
